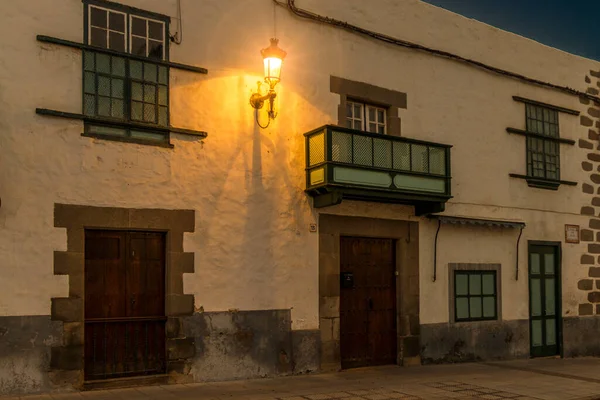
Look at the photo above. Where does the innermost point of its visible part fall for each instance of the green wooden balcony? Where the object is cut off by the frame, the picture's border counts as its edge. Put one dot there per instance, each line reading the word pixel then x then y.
pixel 344 163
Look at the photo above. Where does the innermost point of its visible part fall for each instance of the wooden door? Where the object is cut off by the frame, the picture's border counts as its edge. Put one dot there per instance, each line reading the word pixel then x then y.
pixel 544 297
pixel 124 304
pixel 367 302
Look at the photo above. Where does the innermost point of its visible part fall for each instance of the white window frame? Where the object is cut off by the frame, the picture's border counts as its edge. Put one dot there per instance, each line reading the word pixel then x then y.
pixel 107 27
pixel 147 37
pixel 364 119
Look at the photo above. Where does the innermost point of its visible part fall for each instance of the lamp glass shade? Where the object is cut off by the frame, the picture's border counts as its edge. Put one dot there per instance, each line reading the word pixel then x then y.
pixel 273 59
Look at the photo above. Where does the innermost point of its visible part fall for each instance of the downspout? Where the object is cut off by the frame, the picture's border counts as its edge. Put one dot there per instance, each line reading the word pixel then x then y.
pixel 435 250
pixel 517 263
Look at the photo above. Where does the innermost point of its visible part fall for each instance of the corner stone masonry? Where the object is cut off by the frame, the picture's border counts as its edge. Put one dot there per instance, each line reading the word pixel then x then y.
pixel 590 166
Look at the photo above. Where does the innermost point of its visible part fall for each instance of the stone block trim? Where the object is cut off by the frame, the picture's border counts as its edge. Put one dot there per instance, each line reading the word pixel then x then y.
pixel 406 234
pixel 590 234
pixel 67 360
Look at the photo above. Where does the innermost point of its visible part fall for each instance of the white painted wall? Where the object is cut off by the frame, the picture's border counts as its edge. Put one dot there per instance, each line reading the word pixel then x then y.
pixel 252 243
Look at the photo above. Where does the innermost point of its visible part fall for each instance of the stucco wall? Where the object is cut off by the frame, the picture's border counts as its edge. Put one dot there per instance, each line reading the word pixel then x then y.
pixel 252 241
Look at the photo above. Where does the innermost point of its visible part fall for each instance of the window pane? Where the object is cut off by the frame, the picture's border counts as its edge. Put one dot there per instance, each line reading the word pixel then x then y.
pixel 550 332
pixel 150 72
pixel 138 26
pixel 117 22
pixel 488 284
pixel 88 61
pixel 162 75
pixel 357 111
pixel 550 306
pixel 98 37
pixel 348 123
pixel 534 261
pixel 357 125
pixel 155 30
pixel 381 129
pixel 536 298
pixel 372 128
pixel 89 105
pixel 462 308
pixel 155 49
pixel 117 88
pixel 136 110
pixel 380 116
pixel 162 116
pixel 135 69
pixel 489 307
pixel 118 66
pixel 103 63
pixel 536 333
pixel 162 95
pixel 349 109
pixel 150 93
pixel 97 17
pixel 420 159
pixel 138 46
pixel 402 156
pixel 117 108
pixel 475 307
pixel 437 160
pixel 474 284
pixel 103 86
pixel 549 264
pixel 106 130
pixel 371 114
pixel 137 92
pixel 116 41
pixel 149 113
pixel 89 82
pixel 148 135
pixel 104 106
pixel 461 283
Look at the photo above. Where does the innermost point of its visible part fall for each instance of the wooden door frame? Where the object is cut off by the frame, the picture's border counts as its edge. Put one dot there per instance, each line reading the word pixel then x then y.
pixel 558 295
pixel 406 235
pixel 66 361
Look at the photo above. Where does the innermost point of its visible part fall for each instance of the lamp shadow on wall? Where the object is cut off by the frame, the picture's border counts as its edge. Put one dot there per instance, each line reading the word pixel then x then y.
pixel 256 172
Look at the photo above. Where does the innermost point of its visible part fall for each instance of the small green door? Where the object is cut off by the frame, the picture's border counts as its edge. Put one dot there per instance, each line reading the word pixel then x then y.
pixel 544 300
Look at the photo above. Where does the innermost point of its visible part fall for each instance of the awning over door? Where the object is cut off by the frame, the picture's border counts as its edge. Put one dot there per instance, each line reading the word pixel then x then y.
pixel 478 221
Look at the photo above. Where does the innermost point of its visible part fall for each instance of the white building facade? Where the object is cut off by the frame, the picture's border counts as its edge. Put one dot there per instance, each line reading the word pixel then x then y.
pixel 427 192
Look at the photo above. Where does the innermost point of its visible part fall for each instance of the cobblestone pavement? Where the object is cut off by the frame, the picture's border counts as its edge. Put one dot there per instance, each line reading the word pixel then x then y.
pixel 547 379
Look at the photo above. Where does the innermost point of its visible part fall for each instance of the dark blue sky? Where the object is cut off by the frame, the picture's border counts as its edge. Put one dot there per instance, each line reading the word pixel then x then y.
pixel 569 25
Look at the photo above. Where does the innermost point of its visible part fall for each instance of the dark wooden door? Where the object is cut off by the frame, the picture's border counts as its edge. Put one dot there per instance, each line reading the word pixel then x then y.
pixel 367 302
pixel 544 298
pixel 124 304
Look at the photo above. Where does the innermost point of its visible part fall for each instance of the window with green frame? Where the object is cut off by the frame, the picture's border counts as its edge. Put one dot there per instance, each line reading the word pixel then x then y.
pixel 475 296
pixel 131 95
pixel 543 155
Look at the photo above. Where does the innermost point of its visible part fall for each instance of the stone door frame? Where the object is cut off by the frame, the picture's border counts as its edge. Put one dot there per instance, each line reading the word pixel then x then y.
pixel 66 361
pixel 406 236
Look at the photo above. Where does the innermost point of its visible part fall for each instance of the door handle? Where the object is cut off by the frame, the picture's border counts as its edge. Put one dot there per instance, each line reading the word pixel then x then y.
pixel 132 300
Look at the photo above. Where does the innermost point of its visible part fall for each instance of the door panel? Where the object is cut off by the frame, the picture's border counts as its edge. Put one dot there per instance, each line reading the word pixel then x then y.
pixel 124 304
pixel 544 295
pixel 368 310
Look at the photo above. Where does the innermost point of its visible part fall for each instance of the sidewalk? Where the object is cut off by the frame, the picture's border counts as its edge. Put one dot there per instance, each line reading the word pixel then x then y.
pixel 519 380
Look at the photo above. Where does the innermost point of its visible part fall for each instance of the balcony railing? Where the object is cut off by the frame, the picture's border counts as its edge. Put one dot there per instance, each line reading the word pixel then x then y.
pixel 345 163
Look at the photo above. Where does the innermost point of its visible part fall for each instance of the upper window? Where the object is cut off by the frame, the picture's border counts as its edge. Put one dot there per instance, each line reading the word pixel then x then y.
pixel 365 117
pixel 475 297
pixel 129 94
pixel 127 32
pixel 543 155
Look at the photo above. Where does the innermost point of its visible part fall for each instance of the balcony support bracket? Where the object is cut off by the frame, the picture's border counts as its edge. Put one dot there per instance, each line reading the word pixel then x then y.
pixel 327 199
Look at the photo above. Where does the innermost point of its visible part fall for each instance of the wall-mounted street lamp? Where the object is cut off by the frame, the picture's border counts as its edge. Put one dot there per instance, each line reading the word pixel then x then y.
pixel 273 59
